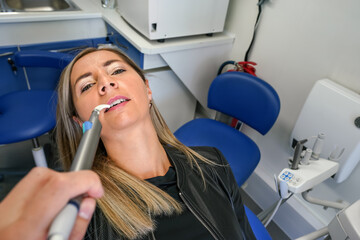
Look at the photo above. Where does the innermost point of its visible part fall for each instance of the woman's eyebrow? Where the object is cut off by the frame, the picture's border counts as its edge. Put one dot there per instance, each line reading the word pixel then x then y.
pixel 85 75
pixel 107 63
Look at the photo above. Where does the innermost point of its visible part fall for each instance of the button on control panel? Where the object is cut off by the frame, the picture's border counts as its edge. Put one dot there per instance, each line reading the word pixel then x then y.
pixel 290 178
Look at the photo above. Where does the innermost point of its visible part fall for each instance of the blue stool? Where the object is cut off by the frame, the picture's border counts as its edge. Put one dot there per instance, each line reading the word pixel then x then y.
pixel 29 114
pixel 246 98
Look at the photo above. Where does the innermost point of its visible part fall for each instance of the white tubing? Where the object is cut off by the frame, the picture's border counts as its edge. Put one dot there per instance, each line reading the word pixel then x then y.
pixel 315 235
pixel 39 157
pixel 325 203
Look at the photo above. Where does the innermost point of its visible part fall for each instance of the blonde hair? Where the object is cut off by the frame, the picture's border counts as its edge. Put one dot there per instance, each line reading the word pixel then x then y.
pixel 128 203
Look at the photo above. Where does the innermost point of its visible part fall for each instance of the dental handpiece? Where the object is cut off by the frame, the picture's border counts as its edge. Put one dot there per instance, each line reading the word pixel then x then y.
pixel 62 225
pixel 297 154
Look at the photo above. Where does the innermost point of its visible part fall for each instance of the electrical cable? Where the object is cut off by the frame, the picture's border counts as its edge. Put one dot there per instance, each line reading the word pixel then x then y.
pixel 264 215
pixel 273 212
pixel 260 3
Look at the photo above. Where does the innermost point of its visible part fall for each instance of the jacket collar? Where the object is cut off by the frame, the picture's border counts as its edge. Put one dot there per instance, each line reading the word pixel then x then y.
pixel 178 161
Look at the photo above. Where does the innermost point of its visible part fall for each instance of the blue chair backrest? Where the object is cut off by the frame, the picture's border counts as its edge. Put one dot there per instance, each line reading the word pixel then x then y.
pixel 43 68
pixel 246 98
pixel 40 58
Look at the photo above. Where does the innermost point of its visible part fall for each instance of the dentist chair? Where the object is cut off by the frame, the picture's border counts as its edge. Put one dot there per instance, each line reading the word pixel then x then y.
pixel 253 102
pixel 28 114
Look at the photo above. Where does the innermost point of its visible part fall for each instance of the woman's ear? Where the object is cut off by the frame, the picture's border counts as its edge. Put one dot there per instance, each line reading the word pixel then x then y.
pixel 149 92
pixel 78 121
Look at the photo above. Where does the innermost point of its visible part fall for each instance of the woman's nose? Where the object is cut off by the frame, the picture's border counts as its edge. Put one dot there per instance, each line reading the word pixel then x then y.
pixel 106 85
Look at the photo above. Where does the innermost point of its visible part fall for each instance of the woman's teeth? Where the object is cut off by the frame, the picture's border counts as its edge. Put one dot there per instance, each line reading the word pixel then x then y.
pixel 117 102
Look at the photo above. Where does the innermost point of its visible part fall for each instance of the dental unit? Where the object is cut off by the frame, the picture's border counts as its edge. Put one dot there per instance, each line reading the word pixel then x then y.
pixel 333 155
pixel 301 176
pixel 62 225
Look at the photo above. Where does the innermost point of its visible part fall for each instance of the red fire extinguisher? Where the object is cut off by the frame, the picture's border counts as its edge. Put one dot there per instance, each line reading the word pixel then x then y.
pixel 247 67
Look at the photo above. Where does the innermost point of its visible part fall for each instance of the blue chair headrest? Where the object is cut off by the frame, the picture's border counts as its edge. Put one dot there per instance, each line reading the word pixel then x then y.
pixel 246 98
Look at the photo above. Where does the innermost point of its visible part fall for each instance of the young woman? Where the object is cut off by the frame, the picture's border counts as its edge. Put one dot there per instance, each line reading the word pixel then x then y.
pixel 155 187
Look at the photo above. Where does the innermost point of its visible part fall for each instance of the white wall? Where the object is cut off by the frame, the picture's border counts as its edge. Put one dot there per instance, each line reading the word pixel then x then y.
pixel 298 43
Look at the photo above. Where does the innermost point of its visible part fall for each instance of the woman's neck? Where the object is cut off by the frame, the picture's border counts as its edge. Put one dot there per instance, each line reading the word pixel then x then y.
pixel 138 152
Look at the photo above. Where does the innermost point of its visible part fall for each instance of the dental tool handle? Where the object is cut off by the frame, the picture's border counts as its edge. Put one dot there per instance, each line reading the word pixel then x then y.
pixel 64 222
pixel 62 225
pixel 297 154
pixel 307 156
pixel 318 145
pixel 85 153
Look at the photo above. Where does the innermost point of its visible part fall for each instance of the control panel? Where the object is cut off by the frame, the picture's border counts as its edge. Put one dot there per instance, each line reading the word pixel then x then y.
pixel 309 175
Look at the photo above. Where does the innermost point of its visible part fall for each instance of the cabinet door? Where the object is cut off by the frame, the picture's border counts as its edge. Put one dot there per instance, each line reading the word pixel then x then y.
pixel 174 100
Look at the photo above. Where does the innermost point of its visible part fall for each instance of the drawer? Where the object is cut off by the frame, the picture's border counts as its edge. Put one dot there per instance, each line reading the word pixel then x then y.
pixel 144 61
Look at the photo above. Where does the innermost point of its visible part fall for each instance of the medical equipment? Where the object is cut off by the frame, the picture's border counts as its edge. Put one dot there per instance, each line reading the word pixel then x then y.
pixel 346 223
pixel 308 176
pixel 344 226
pixel 161 19
pixel 334 153
pixel 305 172
pixel 108 3
pixel 297 155
pixel 329 106
pixel 63 223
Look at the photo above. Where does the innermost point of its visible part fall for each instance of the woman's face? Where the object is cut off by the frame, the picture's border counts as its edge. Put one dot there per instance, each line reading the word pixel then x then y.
pixel 103 77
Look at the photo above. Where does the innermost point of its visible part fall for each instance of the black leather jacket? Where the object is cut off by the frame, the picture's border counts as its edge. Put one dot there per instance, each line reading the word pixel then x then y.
pixel 221 210
pixel 218 206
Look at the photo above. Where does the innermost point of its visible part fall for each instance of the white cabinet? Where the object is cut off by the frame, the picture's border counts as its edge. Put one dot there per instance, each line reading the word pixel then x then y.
pixel 174 100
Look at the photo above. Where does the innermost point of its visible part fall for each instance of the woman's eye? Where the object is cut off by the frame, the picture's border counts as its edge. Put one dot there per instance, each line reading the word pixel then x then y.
pixel 87 86
pixel 118 71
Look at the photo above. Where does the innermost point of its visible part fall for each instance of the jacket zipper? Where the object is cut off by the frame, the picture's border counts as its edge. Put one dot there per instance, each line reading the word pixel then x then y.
pixel 196 215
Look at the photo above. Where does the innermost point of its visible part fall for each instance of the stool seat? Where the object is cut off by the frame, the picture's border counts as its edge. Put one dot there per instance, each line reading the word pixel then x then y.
pixel 26 114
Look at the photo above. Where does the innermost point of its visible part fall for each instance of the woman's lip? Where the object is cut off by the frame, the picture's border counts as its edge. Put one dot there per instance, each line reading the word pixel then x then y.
pixel 117 106
pixel 116 98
